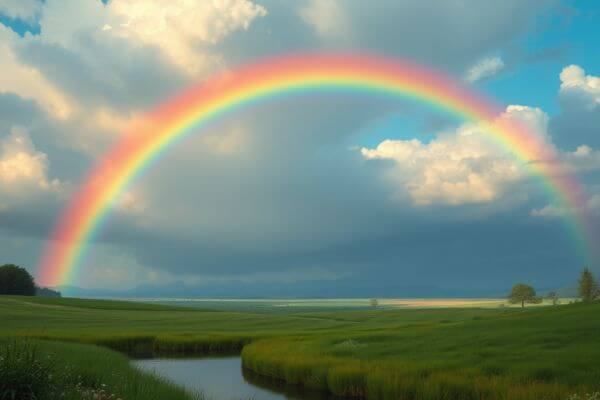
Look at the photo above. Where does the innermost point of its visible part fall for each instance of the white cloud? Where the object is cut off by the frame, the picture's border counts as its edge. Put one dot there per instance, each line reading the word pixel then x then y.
pixel 549 211
pixel 466 167
pixel 27 10
pixel 23 169
pixel 532 118
pixel 179 27
pixel 455 168
pixel 28 82
pixel 458 167
pixel 484 69
pixel 327 17
pixel 574 81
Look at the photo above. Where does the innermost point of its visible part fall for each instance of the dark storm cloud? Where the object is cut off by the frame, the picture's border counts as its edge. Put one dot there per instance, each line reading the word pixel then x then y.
pixel 296 198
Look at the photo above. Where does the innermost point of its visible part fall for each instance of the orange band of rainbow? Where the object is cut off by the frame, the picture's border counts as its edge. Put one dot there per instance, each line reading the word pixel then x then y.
pixel 281 76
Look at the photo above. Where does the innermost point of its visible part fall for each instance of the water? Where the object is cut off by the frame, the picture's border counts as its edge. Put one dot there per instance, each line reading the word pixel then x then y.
pixel 222 378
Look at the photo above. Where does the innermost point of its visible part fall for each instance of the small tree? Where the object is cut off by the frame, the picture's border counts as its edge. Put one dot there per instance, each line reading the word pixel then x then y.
pixel 373 303
pixel 588 288
pixel 553 297
pixel 16 280
pixel 522 293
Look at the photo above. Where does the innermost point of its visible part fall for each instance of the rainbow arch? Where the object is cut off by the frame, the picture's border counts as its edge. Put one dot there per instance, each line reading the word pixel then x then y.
pixel 295 74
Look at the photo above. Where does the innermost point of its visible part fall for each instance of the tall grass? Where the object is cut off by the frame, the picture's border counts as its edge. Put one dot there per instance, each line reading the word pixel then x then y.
pixel 23 374
pixel 502 354
pixel 42 370
pixel 531 355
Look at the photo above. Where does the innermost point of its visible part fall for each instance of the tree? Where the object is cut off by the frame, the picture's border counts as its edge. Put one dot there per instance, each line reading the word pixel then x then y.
pixel 588 288
pixel 553 297
pixel 46 292
pixel 373 303
pixel 522 293
pixel 16 280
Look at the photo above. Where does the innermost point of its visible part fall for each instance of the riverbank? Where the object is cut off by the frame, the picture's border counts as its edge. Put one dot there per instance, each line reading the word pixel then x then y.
pixel 453 353
pixel 49 370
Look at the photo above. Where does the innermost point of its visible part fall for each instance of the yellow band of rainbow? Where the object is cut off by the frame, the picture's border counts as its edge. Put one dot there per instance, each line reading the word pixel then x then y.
pixel 305 73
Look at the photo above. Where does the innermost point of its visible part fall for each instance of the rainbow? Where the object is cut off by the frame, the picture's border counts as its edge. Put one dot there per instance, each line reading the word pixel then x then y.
pixel 288 75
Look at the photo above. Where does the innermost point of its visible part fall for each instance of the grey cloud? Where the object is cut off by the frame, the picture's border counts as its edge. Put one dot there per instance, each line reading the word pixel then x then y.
pixel 449 35
pixel 104 71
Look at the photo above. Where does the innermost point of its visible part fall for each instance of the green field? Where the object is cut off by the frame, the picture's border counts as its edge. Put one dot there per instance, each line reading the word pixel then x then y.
pixel 390 353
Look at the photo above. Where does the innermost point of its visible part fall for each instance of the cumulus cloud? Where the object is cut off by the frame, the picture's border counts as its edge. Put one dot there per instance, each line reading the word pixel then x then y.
pixel 179 27
pixel 97 65
pixel 23 169
pixel 28 82
pixel 579 120
pixel 574 82
pixel 464 166
pixel 458 167
pixel 484 68
pixel 27 10
pixel 452 169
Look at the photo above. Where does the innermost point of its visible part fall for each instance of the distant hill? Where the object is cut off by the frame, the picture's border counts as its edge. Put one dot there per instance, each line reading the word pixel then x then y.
pixel 314 289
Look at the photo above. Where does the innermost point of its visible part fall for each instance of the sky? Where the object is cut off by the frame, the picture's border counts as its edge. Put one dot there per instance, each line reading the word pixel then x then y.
pixel 318 196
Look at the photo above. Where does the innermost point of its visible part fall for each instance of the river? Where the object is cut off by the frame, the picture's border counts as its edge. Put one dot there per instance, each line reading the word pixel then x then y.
pixel 222 378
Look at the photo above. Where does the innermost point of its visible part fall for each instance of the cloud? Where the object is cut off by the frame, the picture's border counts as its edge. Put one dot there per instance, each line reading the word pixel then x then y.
pixel 274 188
pixel 574 82
pixel 179 27
pixel 592 206
pixel 579 120
pixel 584 158
pixel 23 169
pixel 550 211
pixel 484 68
pixel 459 167
pixel 327 17
pixel 28 82
pixel 27 10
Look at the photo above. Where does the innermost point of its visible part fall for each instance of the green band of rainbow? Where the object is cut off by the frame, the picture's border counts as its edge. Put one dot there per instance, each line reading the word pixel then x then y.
pixel 285 76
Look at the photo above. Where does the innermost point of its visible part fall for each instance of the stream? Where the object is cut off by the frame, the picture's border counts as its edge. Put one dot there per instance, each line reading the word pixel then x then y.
pixel 223 378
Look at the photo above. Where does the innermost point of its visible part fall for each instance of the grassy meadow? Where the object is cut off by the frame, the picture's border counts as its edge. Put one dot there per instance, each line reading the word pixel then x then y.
pixel 388 353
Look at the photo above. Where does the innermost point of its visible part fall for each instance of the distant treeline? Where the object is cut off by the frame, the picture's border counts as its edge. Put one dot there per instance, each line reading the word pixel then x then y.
pixel 15 280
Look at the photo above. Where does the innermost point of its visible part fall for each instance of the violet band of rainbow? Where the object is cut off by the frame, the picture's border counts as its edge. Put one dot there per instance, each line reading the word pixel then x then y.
pixel 293 75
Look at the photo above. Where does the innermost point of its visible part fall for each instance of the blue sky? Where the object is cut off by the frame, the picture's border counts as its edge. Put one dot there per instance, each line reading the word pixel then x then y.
pixel 308 194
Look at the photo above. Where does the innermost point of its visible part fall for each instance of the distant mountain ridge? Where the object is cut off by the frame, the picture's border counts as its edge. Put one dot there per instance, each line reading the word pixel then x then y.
pixel 316 289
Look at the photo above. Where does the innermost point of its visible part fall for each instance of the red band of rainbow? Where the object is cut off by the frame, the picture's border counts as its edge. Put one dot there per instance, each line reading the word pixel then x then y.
pixel 288 75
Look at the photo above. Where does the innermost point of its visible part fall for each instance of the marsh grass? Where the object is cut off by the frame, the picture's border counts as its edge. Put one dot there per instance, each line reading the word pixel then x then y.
pixel 24 375
pixel 42 370
pixel 443 354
